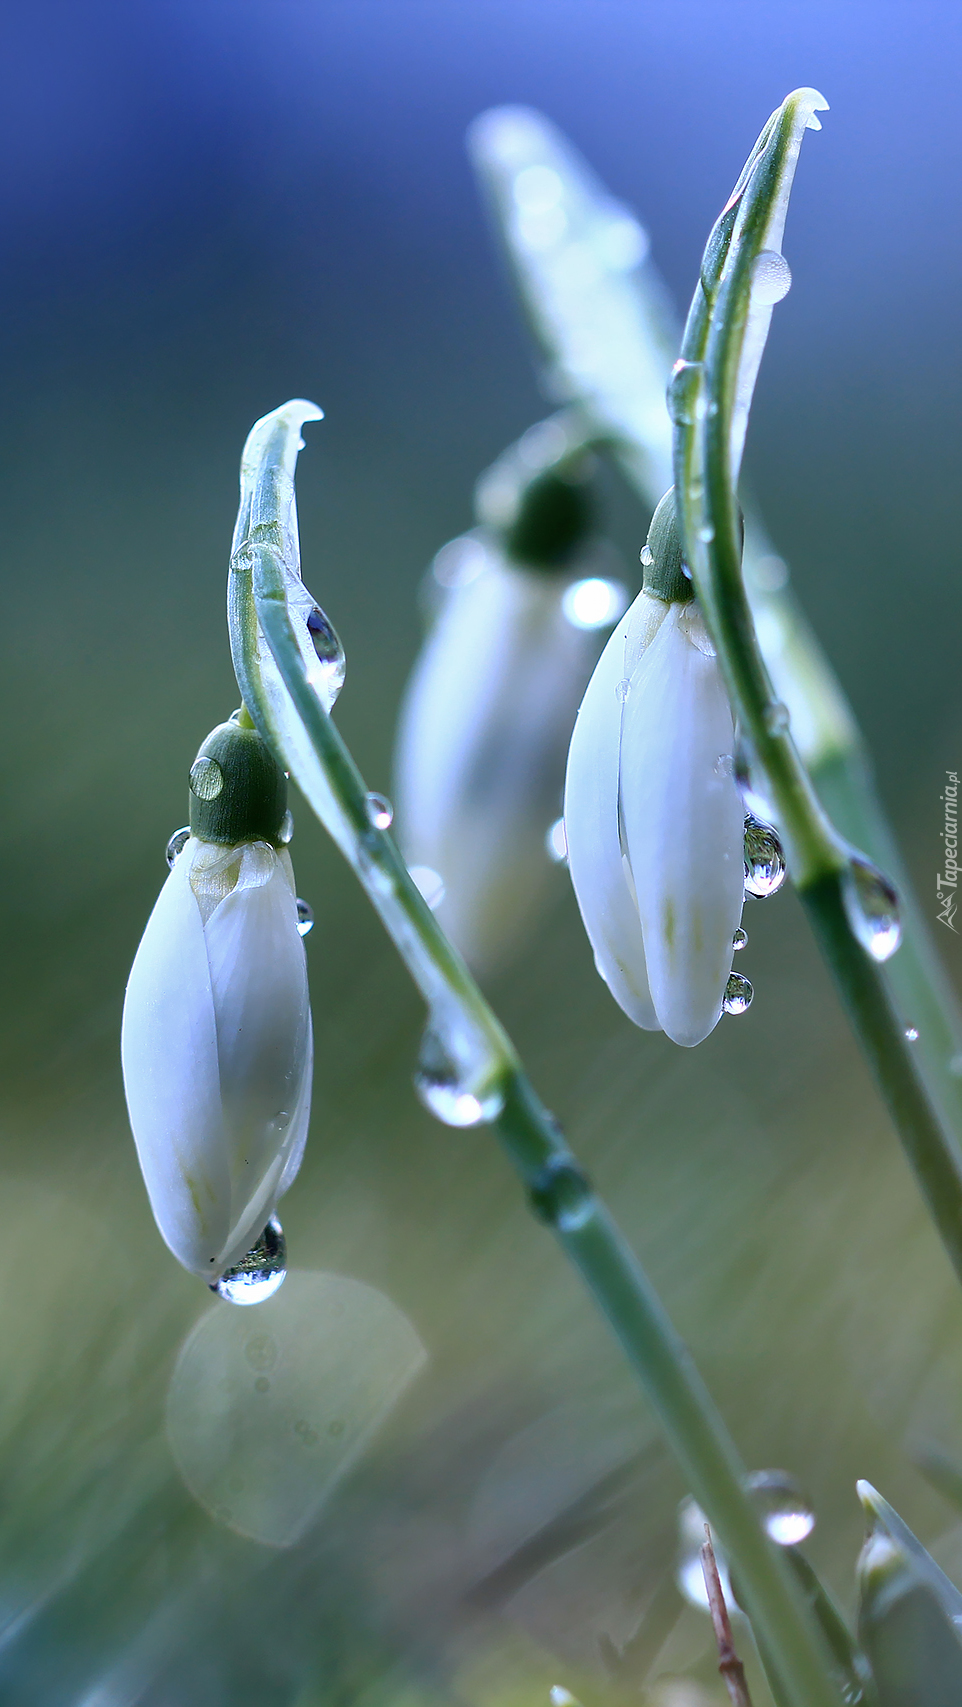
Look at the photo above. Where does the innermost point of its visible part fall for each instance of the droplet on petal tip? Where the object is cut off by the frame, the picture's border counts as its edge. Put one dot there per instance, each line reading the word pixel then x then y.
pixel 258 1274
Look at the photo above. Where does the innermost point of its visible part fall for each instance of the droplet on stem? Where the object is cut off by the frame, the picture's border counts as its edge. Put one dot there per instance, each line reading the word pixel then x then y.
pixel 448 1091
pixel 379 810
pixel 259 1273
pixel 872 908
pixel 785 1510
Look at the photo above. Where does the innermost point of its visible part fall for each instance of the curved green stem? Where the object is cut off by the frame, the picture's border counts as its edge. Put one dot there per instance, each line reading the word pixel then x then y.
pixel 707 451
pixel 275 677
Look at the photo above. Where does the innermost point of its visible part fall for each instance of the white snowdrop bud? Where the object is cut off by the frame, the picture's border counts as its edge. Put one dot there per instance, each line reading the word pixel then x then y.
pixel 216 1043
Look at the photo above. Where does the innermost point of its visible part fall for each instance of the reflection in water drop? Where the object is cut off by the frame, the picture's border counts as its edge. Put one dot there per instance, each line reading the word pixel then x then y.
pixel 764 860
pixel 776 718
pixel 177 844
pixel 286 830
pixel 556 842
pixel 785 1510
pixel 258 1274
pixel 305 917
pixel 871 907
pixel 328 650
pixel 738 994
pixel 452 1093
pixel 266 1412
pixel 912 1033
pixel 740 938
pixel 379 810
pixel 647 557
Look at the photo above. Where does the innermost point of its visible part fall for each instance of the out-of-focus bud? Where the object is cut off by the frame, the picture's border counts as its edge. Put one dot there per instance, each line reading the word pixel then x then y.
pixel 522 604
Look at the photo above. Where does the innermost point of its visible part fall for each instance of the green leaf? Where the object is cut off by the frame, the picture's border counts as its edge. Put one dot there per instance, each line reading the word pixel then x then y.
pixel 910 1614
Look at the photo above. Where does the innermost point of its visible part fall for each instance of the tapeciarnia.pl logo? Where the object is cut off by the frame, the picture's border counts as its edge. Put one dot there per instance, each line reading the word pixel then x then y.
pixel 947 881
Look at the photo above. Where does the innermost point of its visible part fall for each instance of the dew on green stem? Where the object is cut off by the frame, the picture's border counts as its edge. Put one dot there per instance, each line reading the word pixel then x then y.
pixel 872 908
pixel 785 1509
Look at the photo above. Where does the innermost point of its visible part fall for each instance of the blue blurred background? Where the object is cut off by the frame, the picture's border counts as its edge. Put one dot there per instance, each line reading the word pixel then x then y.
pixel 207 209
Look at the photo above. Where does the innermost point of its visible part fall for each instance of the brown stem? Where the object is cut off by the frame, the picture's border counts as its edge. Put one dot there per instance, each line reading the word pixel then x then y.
pixel 729 1664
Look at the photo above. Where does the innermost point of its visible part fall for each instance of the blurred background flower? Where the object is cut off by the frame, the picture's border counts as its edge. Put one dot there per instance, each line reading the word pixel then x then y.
pixel 207 209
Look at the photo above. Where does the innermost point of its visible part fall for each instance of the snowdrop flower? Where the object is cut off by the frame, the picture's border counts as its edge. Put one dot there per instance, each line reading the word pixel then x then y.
pixel 653 818
pixel 216 1044
pixel 488 714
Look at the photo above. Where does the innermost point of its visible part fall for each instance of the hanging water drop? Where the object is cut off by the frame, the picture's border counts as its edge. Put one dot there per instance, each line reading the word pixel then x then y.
pixel 561 1195
pixel 177 844
pixel 379 810
pixel 740 939
pixel 771 278
pixel 871 907
pixel 448 1092
pixel 305 917
pixel 786 1512
pixel 683 389
pixel 764 860
pixel 329 652
pixel 286 830
pixel 738 994
pixel 259 1273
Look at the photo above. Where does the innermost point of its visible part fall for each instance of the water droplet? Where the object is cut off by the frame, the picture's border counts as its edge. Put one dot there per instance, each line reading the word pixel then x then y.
pixel 724 765
pixel 177 844
pixel 206 779
pixel 429 882
pixel 776 718
pixel 448 1092
pixel 329 651
pixel 683 390
pixel 871 907
pixel 771 277
pixel 740 939
pixel 622 690
pixel 556 842
pixel 647 558
pixel 764 860
pixel 785 1510
pixel 738 994
pixel 912 1033
pixel 706 534
pixel 561 1195
pixel 286 830
pixel 259 1273
pixel 305 917
pixel 593 603
pixel 379 811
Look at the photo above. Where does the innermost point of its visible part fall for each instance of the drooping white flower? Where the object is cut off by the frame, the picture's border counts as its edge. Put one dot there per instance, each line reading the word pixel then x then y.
pixel 653 818
pixel 489 709
pixel 216 1043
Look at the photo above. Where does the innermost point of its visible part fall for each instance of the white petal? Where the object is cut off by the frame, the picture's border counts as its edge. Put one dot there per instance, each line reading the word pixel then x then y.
pixel 592 830
pixel 684 824
pixel 258 975
pixel 217 1050
pixel 169 1054
pixel 481 744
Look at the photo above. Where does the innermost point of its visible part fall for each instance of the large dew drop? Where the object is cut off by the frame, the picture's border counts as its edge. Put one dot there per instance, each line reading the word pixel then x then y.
pixel 771 278
pixel 764 860
pixel 871 907
pixel 449 1092
pixel 785 1510
pixel 258 1275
